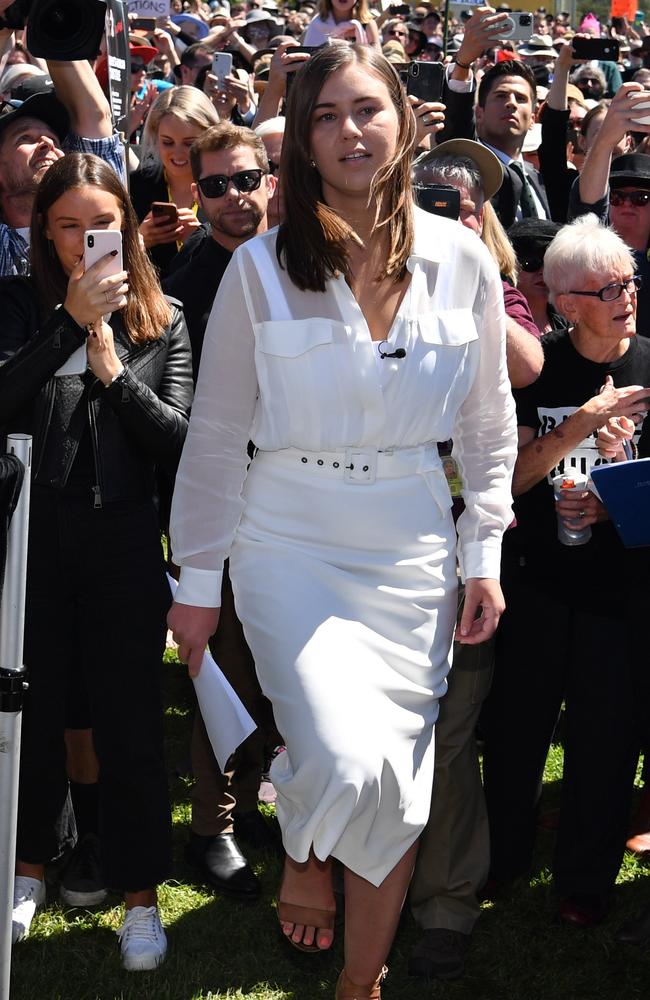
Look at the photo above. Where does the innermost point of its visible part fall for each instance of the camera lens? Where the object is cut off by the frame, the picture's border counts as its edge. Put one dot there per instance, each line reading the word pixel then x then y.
pixel 91 241
pixel 525 20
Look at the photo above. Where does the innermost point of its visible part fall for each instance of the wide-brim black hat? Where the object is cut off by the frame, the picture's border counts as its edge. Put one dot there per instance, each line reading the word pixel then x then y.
pixel 44 107
pixel 631 168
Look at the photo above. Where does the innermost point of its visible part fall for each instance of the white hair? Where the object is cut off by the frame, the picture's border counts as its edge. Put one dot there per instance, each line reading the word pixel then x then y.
pixel 272 126
pixel 584 249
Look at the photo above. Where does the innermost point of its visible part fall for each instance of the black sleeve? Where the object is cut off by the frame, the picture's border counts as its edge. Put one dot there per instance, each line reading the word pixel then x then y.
pixel 526 402
pixel 158 420
pixel 459 115
pixel 30 353
pixel 577 207
pixel 558 177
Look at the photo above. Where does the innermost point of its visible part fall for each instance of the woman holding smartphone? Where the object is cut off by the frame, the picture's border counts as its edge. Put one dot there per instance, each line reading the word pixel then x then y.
pixel 359 334
pixel 176 119
pixel 96 586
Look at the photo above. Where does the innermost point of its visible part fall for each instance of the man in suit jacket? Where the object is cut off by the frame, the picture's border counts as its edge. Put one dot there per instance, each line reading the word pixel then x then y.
pixel 504 114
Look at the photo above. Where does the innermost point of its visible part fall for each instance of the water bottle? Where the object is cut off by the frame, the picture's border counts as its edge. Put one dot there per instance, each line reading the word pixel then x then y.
pixel 563 485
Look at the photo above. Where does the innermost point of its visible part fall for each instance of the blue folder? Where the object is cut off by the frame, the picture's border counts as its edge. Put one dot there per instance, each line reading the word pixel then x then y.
pixel 624 488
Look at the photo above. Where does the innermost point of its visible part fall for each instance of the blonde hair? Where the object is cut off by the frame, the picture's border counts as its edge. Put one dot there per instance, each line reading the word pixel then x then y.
pixel 360 11
pixel 496 240
pixel 188 104
pixel 581 250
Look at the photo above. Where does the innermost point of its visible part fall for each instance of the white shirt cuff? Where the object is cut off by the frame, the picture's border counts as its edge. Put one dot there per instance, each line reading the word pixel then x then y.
pixel 200 588
pixel 459 86
pixel 480 559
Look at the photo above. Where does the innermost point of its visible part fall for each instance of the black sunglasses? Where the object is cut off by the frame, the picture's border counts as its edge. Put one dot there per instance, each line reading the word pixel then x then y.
pixel 637 198
pixel 216 185
pixel 273 167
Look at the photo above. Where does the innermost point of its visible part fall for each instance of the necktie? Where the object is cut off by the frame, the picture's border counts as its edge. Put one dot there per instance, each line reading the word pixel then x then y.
pixel 526 200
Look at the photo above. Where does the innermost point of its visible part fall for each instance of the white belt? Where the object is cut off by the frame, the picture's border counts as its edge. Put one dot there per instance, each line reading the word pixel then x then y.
pixel 359 466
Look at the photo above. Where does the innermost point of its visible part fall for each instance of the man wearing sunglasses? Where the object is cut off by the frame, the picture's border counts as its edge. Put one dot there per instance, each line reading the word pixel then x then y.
pixel 617 188
pixel 233 185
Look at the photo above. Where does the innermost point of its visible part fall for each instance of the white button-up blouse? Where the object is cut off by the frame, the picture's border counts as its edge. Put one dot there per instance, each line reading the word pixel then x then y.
pixel 287 368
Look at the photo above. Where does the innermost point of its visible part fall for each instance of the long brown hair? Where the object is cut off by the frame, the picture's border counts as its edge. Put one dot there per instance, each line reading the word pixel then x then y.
pixel 313 240
pixel 147 312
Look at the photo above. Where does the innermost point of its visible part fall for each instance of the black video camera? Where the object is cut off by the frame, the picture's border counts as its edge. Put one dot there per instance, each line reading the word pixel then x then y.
pixel 59 29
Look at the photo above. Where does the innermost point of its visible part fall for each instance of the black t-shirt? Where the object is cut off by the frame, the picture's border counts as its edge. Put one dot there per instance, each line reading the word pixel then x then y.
pixel 595 574
pixel 196 284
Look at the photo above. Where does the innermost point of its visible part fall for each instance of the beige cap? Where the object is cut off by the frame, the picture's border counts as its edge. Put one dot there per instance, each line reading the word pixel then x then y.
pixel 489 165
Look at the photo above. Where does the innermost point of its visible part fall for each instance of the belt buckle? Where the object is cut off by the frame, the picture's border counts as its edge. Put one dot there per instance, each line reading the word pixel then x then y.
pixel 360 466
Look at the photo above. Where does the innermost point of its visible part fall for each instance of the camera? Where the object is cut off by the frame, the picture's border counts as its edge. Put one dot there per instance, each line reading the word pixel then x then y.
pixel 59 29
pixel 91 241
pixel 518 27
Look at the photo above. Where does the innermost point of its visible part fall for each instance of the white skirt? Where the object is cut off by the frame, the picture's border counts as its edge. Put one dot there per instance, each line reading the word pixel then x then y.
pixel 347 596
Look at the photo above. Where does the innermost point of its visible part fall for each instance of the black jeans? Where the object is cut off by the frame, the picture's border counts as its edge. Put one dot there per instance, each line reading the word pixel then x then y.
pixel 97 592
pixel 547 652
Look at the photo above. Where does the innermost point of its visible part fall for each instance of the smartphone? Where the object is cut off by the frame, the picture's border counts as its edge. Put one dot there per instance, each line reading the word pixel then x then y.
pixel 425 80
pixel 603 49
pixel 640 102
pixel 309 49
pixel 98 243
pixel 518 27
pixel 399 9
pixel 143 24
pixel 164 210
pixel 222 66
pixel 439 199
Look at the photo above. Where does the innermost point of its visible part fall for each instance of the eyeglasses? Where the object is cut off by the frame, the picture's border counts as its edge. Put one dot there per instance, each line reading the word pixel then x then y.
pixel 216 185
pixel 398 34
pixel 614 291
pixel 636 198
pixel 273 167
pixel 532 264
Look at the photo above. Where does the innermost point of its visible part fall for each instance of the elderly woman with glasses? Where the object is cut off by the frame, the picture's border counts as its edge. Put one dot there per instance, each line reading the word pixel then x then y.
pixel 565 632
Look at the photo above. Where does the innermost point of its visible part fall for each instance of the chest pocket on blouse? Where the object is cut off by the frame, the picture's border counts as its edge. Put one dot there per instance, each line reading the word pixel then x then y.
pixel 448 327
pixel 293 338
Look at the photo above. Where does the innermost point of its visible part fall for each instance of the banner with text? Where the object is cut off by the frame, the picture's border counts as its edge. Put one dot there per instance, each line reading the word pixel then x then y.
pixel 149 8
pixel 119 63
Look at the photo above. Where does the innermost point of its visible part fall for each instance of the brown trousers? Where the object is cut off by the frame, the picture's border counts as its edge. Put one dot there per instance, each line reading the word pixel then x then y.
pixel 454 854
pixel 216 794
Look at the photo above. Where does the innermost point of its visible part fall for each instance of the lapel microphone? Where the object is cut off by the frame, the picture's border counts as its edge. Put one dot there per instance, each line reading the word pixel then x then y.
pixel 398 353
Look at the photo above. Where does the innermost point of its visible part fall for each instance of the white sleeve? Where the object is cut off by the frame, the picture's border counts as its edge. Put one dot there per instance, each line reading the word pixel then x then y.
pixel 208 504
pixel 485 439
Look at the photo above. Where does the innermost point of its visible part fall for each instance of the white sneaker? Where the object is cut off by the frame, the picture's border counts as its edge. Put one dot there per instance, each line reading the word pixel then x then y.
pixel 143 944
pixel 29 894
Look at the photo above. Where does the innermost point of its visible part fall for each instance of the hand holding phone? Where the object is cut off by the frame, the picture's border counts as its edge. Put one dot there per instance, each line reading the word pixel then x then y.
pixel 98 284
pixel 164 213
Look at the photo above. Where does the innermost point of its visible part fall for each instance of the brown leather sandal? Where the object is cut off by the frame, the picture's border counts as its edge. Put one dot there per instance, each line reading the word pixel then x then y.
pixel 307 916
pixel 347 990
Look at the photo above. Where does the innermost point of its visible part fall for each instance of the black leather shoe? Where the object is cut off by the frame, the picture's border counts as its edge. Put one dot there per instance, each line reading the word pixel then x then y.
pixel 254 830
pixel 635 931
pixel 223 865
pixel 583 909
pixel 439 954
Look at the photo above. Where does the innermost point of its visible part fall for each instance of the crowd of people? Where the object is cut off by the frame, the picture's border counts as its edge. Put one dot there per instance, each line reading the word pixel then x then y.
pixel 345 342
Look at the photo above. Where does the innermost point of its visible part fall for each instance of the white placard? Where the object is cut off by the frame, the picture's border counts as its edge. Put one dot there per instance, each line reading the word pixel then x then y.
pixel 149 8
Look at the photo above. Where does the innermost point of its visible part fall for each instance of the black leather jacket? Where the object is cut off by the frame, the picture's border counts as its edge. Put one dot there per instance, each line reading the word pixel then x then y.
pixel 137 424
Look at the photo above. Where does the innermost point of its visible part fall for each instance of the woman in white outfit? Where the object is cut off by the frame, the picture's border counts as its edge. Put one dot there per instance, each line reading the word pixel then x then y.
pixel 345 345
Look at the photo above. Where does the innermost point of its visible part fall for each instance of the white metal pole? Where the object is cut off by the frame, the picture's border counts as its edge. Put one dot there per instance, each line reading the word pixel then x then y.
pixel 12 687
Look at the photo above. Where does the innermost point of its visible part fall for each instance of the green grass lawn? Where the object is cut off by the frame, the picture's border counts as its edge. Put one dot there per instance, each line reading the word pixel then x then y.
pixel 218 948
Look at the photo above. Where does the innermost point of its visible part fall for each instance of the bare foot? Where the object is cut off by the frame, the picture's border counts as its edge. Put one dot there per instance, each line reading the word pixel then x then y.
pixel 308 885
